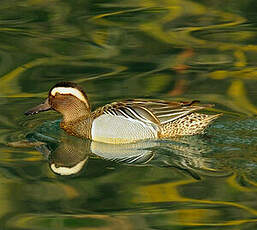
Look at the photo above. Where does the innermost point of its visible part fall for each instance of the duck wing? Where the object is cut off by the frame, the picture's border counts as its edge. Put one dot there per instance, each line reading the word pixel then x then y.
pixel 158 112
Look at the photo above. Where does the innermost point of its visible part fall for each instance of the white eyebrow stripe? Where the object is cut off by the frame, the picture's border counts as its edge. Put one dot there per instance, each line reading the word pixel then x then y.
pixel 69 90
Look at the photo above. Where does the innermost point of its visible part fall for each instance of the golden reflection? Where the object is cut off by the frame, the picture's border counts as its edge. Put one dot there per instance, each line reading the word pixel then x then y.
pixel 254 184
pixel 241 59
pixel 183 36
pixel 232 180
pixel 245 73
pixel 200 217
pixel 101 18
pixel 10 81
pixel 169 192
pixel 71 221
pixel 193 216
pixel 238 93
pixel 170 26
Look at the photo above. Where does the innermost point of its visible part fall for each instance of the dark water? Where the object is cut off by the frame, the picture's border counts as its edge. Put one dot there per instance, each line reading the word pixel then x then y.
pixel 176 50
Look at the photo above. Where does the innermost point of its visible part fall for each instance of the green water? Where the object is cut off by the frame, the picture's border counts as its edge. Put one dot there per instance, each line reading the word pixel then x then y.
pixel 166 49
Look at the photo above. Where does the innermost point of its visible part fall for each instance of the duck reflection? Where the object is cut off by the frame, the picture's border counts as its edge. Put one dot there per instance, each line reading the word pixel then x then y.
pixel 70 155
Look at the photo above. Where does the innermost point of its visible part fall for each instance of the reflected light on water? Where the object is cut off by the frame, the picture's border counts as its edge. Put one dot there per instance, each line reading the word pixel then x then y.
pixel 167 49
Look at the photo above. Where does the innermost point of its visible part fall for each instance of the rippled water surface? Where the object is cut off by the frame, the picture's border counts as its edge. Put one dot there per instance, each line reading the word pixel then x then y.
pixel 166 49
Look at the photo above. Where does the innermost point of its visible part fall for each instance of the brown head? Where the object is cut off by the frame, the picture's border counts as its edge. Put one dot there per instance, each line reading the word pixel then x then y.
pixel 67 98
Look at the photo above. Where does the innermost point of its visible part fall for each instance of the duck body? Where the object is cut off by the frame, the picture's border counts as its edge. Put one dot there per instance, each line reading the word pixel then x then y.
pixel 126 121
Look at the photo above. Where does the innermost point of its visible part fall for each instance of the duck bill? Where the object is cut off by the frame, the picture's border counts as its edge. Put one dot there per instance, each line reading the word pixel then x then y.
pixel 40 108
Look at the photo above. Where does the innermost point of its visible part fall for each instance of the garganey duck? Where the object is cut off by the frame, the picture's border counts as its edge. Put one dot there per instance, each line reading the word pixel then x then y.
pixel 125 121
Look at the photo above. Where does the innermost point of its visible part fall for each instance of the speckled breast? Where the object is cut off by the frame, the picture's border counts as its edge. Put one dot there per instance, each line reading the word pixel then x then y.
pixel 117 129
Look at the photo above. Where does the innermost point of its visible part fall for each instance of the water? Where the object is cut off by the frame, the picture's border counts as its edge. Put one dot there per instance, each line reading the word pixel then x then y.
pixel 176 50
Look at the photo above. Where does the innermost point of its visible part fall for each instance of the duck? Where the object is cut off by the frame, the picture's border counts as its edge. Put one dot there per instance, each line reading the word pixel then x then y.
pixel 124 121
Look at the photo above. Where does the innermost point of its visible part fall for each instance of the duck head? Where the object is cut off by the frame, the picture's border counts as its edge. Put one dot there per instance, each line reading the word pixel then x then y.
pixel 67 98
